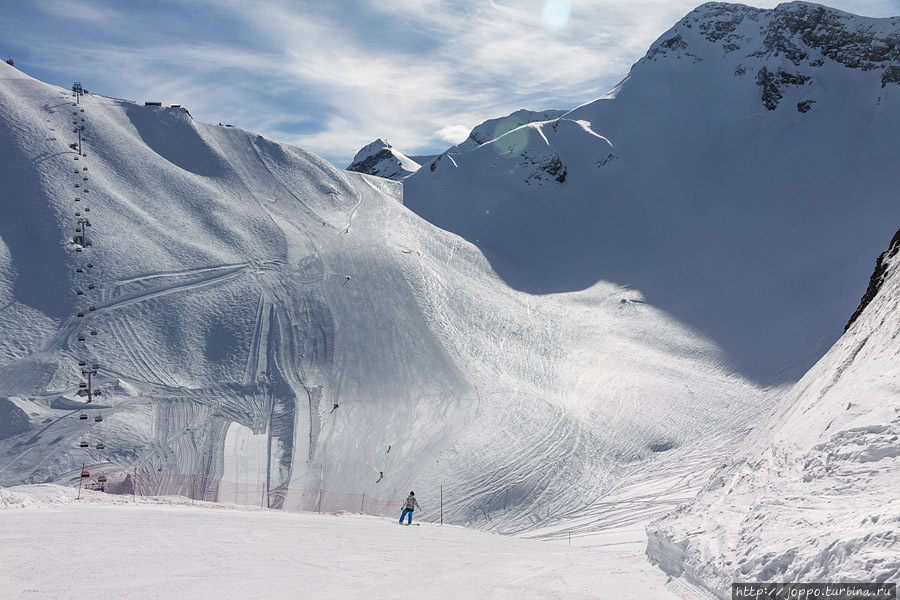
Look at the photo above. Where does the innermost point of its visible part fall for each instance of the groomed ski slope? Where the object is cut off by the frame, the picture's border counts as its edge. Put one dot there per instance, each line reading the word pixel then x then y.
pixel 244 287
pixel 168 550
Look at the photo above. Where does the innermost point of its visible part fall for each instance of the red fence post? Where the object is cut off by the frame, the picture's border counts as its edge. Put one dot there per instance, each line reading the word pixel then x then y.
pixel 193 485
pixel 80 479
pixel 134 486
pixel 442 506
pixel 320 501
pixel 262 502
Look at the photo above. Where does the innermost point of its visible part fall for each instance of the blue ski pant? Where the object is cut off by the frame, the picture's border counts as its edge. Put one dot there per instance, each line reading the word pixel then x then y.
pixel 406 511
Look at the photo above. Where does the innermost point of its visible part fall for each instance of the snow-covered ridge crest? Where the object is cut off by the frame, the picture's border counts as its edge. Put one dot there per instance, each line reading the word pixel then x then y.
pixel 494 128
pixel 383 160
pixel 538 152
pixel 809 496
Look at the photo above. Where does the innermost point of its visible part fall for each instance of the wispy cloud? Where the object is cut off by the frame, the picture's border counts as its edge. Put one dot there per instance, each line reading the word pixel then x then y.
pixel 333 76
pixel 453 134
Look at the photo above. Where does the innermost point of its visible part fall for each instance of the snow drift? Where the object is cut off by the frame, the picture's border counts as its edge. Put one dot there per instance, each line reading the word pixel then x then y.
pixel 810 496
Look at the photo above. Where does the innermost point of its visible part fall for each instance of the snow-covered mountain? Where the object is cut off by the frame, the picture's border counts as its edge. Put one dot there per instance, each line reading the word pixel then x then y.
pixel 260 316
pixel 810 496
pixel 494 128
pixel 739 177
pixel 383 160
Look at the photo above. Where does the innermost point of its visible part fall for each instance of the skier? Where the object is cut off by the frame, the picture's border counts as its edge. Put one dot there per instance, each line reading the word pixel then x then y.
pixel 335 407
pixel 408 507
pixel 380 476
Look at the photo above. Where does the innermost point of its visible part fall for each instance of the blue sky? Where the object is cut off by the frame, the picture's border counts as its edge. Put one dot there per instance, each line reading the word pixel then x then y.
pixel 333 75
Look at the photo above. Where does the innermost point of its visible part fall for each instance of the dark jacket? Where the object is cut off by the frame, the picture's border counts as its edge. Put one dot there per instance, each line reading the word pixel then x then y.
pixel 411 504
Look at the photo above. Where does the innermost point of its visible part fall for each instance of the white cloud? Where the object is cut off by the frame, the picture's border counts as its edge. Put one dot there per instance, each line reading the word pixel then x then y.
pixel 453 134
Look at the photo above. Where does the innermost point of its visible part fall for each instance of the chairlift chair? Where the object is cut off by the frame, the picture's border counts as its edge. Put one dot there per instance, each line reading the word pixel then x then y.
pixel 100 446
pixel 81 339
pixel 93 332
pixel 90 265
pixel 101 479
pixel 79 270
pixel 98 419
pixel 85 474
pixel 82 417
pixel 95 366
pixel 83 444
pixel 79 292
pixel 82 385
pixel 81 363
pixel 77 249
pixel 92 308
pixel 81 314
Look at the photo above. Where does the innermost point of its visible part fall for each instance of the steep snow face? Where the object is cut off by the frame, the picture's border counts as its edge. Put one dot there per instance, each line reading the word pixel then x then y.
pixel 381 159
pixel 265 318
pixel 720 178
pixel 809 497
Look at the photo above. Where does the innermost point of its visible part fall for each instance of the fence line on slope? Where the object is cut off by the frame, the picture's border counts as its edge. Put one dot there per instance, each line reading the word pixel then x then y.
pixel 134 482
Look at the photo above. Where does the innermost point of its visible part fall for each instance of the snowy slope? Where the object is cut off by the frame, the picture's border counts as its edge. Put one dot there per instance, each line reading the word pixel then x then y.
pixel 243 287
pixel 167 549
pixel 381 159
pixel 494 128
pixel 739 177
pixel 810 497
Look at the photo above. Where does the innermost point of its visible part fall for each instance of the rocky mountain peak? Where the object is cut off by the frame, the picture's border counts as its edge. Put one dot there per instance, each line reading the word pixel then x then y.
pixel 381 159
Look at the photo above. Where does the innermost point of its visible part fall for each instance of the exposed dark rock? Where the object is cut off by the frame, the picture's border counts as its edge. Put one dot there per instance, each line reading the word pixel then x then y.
pixel 368 164
pixel 771 95
pixel 805 105
pixel 772 85
pixel 877 279
pixel 890 75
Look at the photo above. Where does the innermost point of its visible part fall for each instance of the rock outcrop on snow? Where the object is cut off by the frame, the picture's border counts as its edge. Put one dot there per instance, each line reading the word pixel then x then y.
pixel 877 278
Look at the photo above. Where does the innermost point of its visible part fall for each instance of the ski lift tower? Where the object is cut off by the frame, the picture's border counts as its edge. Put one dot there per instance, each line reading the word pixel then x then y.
pixel 78 91
pixel 81 231
pixel 90 387
pixel 79 131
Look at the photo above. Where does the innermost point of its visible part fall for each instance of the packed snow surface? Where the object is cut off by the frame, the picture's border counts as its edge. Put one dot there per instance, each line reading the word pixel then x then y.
pixel 167 549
